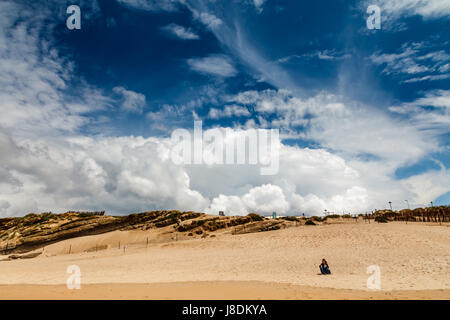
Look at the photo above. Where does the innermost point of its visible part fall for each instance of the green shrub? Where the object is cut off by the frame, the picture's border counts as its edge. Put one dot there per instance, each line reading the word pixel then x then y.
pixel 381 219
pixel 255 217
pixel 174 215
pixel 85 215
pixel 47 216
pixel 332 216
pixel 316 218
pixel 290 218
pixel 310 223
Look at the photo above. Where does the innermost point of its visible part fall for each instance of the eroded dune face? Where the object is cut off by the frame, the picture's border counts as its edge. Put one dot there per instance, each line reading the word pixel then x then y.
pixel 21 235
pixel 34 231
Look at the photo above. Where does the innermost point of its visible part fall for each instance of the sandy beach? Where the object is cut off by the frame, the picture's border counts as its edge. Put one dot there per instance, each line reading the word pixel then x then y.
pixel 207 290
pixel 414 261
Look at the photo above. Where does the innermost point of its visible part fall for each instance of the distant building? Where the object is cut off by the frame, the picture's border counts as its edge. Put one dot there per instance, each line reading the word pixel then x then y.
pixel 221 213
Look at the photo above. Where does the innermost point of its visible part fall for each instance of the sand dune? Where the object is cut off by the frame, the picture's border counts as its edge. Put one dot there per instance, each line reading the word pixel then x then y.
pixel 412 257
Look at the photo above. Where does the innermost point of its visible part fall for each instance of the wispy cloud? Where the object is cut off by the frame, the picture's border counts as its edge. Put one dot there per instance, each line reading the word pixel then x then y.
pixel 329 55
pixel 430 113
pixel 218 65
pixel 180 32
pixel 259 5
pixel 130 101
pixel 208 19
pixel 417 58
pixel 228 111
pixel 429 78
pixel 35 79
pixel 152 5
pixel 395 13
pixel 428 9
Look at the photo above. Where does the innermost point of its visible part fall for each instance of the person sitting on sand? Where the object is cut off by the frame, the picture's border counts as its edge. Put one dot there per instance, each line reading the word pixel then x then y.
pixel 324 269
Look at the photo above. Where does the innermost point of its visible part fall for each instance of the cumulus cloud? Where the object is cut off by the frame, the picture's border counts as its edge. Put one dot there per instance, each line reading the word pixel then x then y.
pixel 128 174
pixel 218 65
pixel 266 199
pixel 232 205
pixel 263 199
pixel 121 174
pixel 180 32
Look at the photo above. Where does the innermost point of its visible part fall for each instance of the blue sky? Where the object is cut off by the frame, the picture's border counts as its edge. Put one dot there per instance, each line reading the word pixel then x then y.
pixel 364 114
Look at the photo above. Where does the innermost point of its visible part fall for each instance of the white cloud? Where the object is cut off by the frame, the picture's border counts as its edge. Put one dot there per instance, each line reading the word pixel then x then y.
pixel 218 65
pixel 231 205
pixel 434 121
pixel 329 55
pixel 131 101
pixel 428 78
pixel 228 111
pixel 128 174
pixel 259 4
pixel 208 19
pixel 332 122
pixel 228 26
pixel 266 199
pixel 33 86
pixel 435 98
pixel 263 199
pixel 394 13
pixel 44 164
pixel 427 9
pixel 180 32
pixel 121 174
pixel 414 59
pixel 152 5
pixel 429 186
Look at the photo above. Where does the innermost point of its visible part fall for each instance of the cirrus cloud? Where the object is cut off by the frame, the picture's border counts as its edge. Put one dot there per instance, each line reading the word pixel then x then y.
pixel 217 65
